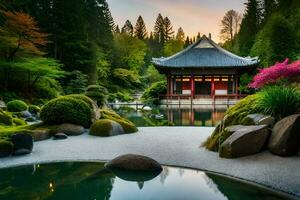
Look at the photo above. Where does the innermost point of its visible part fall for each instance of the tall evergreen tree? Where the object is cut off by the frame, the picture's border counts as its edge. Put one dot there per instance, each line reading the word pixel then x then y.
pixel 159 29
pixel 180 34
pixel 128 28
pixel 117 30
pixel 140 30
pixel 168 29
pixel 249 27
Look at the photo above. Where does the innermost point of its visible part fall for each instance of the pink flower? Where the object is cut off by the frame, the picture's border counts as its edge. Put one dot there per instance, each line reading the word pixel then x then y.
pixel 276 73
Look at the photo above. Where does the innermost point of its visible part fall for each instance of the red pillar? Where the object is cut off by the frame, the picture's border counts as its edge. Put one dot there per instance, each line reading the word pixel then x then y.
pixel 213 86
pixel 192 87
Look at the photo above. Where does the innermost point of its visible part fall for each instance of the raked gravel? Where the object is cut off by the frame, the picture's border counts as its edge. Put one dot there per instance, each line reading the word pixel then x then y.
pixel 176 146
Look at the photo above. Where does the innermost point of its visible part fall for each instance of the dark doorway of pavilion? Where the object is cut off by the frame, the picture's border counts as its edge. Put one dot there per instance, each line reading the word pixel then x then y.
pixel 202 88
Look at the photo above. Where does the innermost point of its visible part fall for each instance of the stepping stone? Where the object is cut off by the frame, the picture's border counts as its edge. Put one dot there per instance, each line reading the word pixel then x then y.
pixel 60 136
pixel 23 143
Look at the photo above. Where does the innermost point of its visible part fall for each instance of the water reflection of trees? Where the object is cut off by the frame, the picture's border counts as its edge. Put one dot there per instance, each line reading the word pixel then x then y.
pixel 56 181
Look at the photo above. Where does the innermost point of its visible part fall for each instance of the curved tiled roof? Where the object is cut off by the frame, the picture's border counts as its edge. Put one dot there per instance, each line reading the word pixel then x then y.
pixel 204 53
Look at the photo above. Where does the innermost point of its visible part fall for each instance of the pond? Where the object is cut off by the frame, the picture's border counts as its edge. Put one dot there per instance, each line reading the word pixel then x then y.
pixel 90 181
pixel 174 116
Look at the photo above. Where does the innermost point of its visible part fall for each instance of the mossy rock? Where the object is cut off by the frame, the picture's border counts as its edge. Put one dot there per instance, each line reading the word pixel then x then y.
pixel 97 93
pixel 127 125
pixel 102 128
pixel 67 110
pixel 236 115
pixel 6 118
pixel 34 109
pixel 6 148
pixel 19 122
pixel 16 106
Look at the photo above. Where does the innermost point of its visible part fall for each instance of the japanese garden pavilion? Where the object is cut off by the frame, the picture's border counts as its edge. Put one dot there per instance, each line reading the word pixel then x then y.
pixel 204 70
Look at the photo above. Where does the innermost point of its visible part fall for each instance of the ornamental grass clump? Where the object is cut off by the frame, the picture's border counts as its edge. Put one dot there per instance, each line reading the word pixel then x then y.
pixel 279 101
pixel 280 72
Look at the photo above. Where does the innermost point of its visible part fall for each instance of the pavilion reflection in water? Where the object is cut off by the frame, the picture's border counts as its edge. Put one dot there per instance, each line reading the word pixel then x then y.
pixel 194 116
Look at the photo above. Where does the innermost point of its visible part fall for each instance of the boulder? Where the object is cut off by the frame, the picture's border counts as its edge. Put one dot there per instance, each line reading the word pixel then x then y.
pixel 131 162
pixel 71 129
pixel 258 119
pixel 285 138
pixel 106 128
pixel 41 134
pixel 26 114
pixel 2 105
pixel 23 143
pixel 6 148
pixel 60 136
pixel 245 141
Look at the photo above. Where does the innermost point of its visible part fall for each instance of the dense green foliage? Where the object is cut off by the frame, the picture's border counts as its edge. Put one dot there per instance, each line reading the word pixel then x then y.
pixel 6 118
pixel 151 95
pixel 6 148
pixel 97 93
pixel 102 127
pixel 67 110
pixel 279 101
pixel 16 106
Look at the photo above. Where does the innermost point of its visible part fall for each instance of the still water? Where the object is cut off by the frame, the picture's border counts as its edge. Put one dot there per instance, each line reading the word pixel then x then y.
pixel 162 116
pixel 90 181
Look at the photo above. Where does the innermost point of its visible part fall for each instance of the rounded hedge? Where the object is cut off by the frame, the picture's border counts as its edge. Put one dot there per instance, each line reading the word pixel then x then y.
pixel 6 118
pixel 16 106
pixel 34 109
pixel 97 93
pixel 67 110
pixel 6 148
pixel 102 128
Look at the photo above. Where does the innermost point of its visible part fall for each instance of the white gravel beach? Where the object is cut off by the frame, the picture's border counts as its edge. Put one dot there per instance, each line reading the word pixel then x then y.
pixel 176 146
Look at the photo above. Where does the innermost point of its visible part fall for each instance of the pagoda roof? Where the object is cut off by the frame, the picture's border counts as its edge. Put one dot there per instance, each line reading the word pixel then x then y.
pixel 205 53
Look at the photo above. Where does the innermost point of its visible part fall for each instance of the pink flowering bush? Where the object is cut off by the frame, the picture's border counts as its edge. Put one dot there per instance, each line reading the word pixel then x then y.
pixel 276 73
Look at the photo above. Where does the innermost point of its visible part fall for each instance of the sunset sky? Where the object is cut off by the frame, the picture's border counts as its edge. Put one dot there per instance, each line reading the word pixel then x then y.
pixel 193 16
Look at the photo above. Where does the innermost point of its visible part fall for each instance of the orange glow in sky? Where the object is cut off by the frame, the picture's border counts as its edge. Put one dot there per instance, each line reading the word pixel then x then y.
pixel 193 16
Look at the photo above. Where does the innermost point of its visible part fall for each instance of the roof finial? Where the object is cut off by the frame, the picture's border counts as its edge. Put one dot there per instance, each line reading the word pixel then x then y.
pixel 209 36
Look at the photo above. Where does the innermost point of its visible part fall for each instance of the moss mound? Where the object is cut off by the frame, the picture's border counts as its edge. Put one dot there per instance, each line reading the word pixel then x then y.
pixel 236 115
pixel 97 93
pixel 19 122
pixel 102 128
pixel 16 106
pixel 127 125
pixel 67 110
pixel 6 148
pixel 34 109
pixel 6 118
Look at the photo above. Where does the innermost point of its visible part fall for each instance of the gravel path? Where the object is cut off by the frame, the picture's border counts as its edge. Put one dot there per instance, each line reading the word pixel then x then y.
pixel 177 146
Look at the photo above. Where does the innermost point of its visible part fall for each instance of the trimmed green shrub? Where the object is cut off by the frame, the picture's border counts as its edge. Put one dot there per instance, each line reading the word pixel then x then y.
pixel 19 122
pixel 97 93
pixel 127 125
pixel 34 109
pixel 279 101
pixel 6 118
pixel 102 128
pixel 67 110
pixel 16 106
pixel 6 148
pixel 151 95
pixel 84 98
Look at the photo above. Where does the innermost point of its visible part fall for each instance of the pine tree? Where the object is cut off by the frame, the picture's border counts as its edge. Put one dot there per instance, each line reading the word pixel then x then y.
pixel 117 30
pixel 107 15
pixel 168 29
pixel 269 5
pixel 187 42
pixel 198 36
pixel 249 27
pixel 140 29
pixel 159 29
pixel 180 34
pixel 127 28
